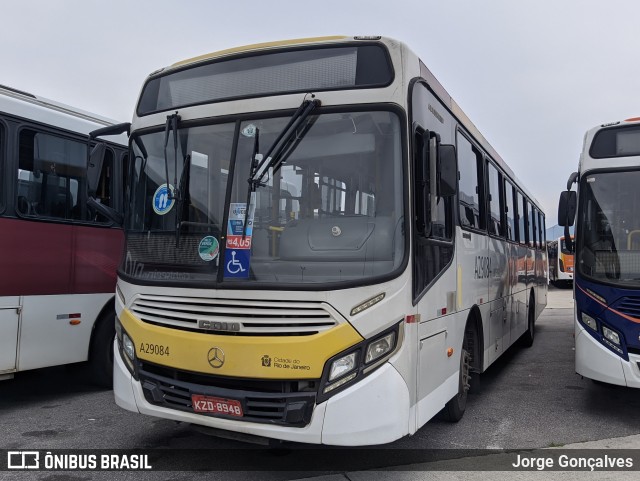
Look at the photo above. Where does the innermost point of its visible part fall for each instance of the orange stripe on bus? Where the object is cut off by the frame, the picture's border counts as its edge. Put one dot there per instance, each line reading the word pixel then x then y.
pixel 628 318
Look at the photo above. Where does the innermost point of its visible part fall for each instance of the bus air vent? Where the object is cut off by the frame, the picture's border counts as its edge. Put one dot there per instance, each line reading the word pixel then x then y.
pixel 236 316
pixel 629 306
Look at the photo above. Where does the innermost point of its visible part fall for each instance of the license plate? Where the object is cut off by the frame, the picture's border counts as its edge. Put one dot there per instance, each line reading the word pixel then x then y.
pixel 216 405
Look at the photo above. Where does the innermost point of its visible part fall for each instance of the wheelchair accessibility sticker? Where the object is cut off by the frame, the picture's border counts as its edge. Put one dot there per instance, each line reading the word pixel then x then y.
pixel 237 255
pixel 236 263
pixel 163 199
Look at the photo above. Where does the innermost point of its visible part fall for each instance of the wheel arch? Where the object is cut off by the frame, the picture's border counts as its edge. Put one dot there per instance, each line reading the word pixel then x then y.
pixel 474 320
pixel 108 308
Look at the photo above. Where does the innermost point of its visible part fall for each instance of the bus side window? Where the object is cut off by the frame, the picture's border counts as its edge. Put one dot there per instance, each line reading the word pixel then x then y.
pixel 510 211
pixel 104 192
pixel 533 231
pixel 52 177
pixel 496 225
pixel 522 218
pixel 471 211
pixel 50 172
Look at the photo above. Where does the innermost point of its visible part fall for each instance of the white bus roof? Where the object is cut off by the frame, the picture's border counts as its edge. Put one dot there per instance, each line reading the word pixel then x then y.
pixel 417 68
pixel 28 106
pixel 587 163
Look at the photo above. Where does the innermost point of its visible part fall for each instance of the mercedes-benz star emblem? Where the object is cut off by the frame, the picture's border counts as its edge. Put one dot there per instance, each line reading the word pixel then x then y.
pixel 215 357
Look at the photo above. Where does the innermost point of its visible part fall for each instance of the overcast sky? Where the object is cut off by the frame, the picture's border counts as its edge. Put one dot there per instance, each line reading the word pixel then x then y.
pixel 533 75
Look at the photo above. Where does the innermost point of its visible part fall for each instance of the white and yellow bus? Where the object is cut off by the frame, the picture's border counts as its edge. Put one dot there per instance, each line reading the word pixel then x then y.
pixel 320 246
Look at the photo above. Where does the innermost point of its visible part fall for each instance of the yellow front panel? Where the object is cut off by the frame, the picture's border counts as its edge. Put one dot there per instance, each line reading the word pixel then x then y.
pixel 260 357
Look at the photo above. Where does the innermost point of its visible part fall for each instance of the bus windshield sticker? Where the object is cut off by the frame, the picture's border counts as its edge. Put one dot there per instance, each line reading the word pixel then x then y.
pixel 249 130
pixel 236 263
pixel 209 248
pixel 236 219
pixel 199 160
pixel 237 256
pixel 162 201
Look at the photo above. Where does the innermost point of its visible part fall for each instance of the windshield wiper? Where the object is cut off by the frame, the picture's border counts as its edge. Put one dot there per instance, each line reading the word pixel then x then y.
pixel 275 156
pixel 171 125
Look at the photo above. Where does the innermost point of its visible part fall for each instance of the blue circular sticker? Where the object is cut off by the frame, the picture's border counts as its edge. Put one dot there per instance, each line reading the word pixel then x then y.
pixel 162 201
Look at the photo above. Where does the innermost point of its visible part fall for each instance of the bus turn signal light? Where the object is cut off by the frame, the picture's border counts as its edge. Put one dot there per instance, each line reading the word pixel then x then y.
pixel 450 352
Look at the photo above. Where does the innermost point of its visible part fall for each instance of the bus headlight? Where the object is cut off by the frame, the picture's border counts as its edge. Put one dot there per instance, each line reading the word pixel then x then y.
pixel 342 366
pixel 360 360
pixel 380 347
pixel 611 335
pixel 128 346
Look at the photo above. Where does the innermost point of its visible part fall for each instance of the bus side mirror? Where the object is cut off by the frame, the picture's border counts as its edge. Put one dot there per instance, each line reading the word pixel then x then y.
pixel 566 215
pixel 567 208
pixel 447 171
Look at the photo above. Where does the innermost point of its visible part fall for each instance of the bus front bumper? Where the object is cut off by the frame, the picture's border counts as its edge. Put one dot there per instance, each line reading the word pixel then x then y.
pixel 373 411
pixel 595 361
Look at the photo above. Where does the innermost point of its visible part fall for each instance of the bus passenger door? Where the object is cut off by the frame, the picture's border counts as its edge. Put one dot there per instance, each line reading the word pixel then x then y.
pixel 9 318
pixel 498 295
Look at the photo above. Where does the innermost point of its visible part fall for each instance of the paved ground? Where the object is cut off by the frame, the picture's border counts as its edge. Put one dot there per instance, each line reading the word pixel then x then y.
pixel 560 297
pixel 530 398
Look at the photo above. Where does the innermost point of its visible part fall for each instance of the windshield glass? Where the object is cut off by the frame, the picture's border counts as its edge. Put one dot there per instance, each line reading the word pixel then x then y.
pixel 609 228
pixel 332 212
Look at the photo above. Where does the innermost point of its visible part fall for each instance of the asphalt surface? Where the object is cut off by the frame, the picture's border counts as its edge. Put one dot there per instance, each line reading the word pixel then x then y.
pixel 530 398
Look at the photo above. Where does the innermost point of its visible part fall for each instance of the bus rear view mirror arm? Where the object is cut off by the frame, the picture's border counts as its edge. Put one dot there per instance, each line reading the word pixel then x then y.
pixel 116 129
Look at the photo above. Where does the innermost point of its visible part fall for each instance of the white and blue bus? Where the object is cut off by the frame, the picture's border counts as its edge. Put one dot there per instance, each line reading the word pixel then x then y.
pixel 607 253
pixel 320 245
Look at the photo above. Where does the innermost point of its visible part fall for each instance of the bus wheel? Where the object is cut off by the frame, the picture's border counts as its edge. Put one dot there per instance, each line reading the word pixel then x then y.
pixel 456 406
pixel 527 338
pixel 101 353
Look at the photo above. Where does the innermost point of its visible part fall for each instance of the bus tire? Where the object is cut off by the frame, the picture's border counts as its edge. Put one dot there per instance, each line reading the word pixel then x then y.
pixel 101 353
pixel 528 337
pixel 455 408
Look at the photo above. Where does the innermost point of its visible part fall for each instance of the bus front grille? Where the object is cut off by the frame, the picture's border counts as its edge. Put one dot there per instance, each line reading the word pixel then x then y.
pixel 629 306
pixel 286 407
pixel 235 316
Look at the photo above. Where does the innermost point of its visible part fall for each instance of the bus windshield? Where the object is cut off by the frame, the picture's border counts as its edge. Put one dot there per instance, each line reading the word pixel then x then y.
pixel 332 212
pixel 609 228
